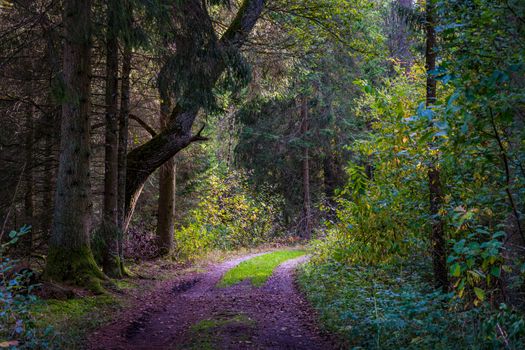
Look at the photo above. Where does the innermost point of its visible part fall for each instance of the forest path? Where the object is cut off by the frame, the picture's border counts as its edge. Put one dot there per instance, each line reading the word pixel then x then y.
pixel 192 313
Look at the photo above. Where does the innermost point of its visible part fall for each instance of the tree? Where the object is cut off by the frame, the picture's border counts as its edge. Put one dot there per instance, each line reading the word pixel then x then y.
pixel 166 202
pixel 70 257
pixel 307 203
pixel 202 58
pixel 438 241
pixel 109 229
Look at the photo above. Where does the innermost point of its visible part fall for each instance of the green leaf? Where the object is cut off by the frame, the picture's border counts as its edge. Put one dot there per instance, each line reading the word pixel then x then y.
pixel 495 271
pixel 455 270
pixel 480 293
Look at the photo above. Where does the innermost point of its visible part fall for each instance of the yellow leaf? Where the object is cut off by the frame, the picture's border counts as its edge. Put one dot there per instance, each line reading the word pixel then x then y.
pixel 9 343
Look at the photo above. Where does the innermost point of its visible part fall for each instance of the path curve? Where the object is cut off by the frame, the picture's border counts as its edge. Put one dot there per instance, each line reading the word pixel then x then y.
pixel 278 316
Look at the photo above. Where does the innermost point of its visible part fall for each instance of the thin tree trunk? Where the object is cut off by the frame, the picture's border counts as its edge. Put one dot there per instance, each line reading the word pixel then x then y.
pixel 166 202
pixel 109 230
pixel 438 241
pixel 70 257
pixel 123 145
pixel 29 204
pixel 307 210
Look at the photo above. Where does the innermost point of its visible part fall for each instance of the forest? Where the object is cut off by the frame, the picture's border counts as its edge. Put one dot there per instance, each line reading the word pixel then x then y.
pixel 262 174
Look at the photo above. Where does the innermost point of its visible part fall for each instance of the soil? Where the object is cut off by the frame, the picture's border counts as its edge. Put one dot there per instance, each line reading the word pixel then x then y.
pixel 192 313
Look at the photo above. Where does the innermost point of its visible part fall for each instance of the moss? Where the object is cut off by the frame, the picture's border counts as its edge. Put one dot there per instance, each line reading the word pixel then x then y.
pixel 114 268
pixel 74 319
pixel 206 334
pixel 76 266
pixel 104 246
pixel 125 284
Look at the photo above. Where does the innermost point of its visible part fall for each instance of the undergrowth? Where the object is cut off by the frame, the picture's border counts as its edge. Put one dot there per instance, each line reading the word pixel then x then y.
pixel 394 307
pixel 229 216
pixel 73 319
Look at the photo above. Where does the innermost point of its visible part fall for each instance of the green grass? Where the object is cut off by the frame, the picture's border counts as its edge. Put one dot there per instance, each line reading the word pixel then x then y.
pixel 258 269
pixel 207 334
pixel 71 320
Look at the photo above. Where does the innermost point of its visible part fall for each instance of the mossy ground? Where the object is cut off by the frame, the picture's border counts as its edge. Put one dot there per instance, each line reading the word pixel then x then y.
pixel 205 334
pixel 72 319
pixel 258 269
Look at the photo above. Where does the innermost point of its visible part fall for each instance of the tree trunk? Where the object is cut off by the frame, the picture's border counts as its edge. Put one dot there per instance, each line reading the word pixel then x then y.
pixel 307 210
pixel 123 145
pixel 29 203
pixel 49 175
pixel 144 160
pixel 52 130
pixel 109 227
pixel 438 240
pixel 166 202
pixel 166 207
pixel 70 257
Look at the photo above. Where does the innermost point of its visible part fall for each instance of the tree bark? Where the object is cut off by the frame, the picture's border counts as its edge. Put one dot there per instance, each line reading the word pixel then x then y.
pixel 52 130
pixel 166 202
pixel 70 257
pixel 307 205
pixel 49 175
pixel 29 202
pixel 109 227
pixel 145 159
pixel 123 144
pixel 438 241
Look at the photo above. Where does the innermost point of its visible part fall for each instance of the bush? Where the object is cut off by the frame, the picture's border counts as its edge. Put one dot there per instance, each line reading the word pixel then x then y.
pixel 394 307
pixel 229 215
pixel 17 324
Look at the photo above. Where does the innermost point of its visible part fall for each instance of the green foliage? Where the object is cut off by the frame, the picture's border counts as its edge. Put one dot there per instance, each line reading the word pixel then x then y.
pixel 229 215
pixel 73 319
pixel 392 307
pixel 474 136
pixel 476 264
pixel 381 210
pixel 18 326
pixel 258 269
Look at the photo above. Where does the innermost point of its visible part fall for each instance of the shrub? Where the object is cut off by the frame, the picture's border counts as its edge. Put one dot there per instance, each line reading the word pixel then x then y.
pixel 229 215
pixel 17 324
pixel 394 307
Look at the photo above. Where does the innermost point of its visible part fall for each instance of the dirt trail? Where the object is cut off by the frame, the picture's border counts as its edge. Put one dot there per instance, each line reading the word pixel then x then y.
pixel 191 313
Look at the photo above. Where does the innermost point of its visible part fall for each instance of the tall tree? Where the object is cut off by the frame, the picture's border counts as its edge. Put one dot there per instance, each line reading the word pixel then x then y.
pixel 166 202
pixel 123 143
pixel 438 241
pixel 307 203
pixel 70 256
pixel 109 227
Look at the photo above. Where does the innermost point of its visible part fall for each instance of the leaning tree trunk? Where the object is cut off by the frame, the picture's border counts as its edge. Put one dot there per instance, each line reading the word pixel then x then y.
pixel 166 202
pixel 109 227
pixel 307 205
pixel 438 241
pixel 70 257
pixel 144 160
